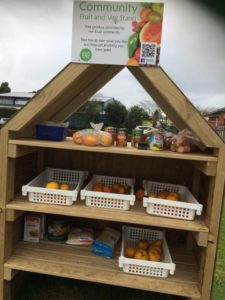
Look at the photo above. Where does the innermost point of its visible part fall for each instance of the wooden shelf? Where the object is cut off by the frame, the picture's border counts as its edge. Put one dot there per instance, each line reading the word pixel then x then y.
pixel 78 262
pixel 68 144
pixel 136 215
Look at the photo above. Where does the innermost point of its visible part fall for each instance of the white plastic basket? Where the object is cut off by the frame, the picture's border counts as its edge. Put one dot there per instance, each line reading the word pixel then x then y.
pixel 182 209
pixel 38 193
pixel 143 267
pixel 108 200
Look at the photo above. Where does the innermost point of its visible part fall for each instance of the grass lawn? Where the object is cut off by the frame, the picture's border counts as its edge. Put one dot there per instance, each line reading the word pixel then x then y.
pixel 219 279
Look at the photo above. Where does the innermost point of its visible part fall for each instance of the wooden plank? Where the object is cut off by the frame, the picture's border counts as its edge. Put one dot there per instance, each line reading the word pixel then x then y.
pixel 80 263
pixel 14 152
pixel 217 191
pixel 175 104
pixel 208 168
pixel 201 239
pixel 70 145
pixel 12 215
pixel 3 197
pixel 136 214
pixel 207 276
pixel 9 274
pixel 66 85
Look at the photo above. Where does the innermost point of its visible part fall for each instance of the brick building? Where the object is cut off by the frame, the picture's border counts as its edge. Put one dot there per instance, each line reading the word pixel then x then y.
pixel 216 118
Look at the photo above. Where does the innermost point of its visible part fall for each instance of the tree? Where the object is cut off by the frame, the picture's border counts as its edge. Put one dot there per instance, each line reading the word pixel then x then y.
pixel 89 112
pixel 4 88
pixel 7 112
pixel 115 114
pixel 90 107
pixel 136 115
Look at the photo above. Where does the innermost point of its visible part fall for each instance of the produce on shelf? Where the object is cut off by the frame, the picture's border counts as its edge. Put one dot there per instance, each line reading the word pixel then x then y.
pixel 139 194
pixel 174 196
pixel 183 142
pixel 55 185
pixel 93 137
pixel 145 251
pixel 114 188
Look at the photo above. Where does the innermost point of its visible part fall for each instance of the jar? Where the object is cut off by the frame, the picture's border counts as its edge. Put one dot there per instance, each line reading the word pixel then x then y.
pixel 112 131
pixel 58 229
pixel 136 137
pixel 121 138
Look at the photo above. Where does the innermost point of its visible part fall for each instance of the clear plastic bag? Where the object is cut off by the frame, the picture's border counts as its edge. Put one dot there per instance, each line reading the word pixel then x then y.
pixel 93 137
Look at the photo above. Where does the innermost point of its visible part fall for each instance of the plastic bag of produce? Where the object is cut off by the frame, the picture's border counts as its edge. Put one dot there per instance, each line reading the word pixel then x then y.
pixel 93 136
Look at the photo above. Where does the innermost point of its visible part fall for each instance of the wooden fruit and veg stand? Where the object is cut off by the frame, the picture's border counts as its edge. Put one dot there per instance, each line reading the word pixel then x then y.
pixel 188 244
pixel 23 157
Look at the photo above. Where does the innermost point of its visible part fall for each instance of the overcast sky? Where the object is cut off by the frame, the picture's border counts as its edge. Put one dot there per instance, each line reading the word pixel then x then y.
pixel 35 44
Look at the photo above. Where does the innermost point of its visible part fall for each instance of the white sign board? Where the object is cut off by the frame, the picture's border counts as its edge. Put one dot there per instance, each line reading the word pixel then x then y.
pixel 118 33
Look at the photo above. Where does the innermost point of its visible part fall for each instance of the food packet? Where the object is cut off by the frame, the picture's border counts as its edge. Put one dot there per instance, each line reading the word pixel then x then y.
pixel 105 243
pixel 185 141
pixel 155 140
pixel 80 236
pixel 93 137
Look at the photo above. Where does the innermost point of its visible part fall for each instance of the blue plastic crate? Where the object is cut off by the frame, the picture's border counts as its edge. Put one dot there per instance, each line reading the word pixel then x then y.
pixel 50 132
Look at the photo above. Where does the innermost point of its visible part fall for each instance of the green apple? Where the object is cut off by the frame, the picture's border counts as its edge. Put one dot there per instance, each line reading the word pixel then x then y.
pixel 158 7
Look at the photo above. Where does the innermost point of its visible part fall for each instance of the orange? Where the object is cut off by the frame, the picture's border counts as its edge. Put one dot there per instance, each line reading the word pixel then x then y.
pixel 97 187
pixel 129 251
pixel 142 244
pixel 156 248
pixel 90 140
pixel 106 139
pixel 153 195
pixel 139 194
pixel 64 186
pixel 173 196
pixel 141 254
pixel 154 255
pixel 52 185
pixel 121 190
pixel 106 188
pixel 163 195
pixel 115 187
pixel 157 243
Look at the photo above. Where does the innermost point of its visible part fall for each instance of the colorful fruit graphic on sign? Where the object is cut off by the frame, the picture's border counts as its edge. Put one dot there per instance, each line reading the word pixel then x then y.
pixel 144 43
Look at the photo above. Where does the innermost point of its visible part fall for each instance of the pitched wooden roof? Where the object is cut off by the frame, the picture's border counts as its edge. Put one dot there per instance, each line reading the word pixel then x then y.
pixel 76 83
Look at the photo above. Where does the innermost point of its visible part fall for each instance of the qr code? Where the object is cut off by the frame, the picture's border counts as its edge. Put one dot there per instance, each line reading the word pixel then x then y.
pixel 148 53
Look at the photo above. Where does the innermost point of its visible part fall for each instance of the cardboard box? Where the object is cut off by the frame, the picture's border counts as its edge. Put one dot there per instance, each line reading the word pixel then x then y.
pixel 34 227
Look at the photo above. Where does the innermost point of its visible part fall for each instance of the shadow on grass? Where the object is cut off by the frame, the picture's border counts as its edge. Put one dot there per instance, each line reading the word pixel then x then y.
pixel 41 287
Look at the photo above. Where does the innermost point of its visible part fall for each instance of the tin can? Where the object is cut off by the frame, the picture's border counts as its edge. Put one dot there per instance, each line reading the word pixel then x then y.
pixel 121 138
pixel 112 131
